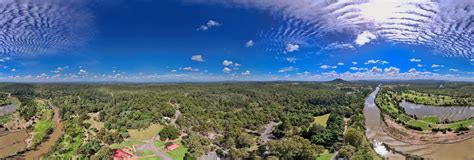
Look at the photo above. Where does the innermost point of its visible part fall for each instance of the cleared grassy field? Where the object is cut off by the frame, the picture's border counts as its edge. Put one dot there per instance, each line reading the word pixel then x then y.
pixel 128 143
pixel 41 128
pixel 144 134
pixel 4 119
pixel 95 124
pixel 419 123
pixel 145 153
pixel 325 156
pixel 431 119
pixel 464 123
pixel 149 158
pixel 177 154
pixel 321 120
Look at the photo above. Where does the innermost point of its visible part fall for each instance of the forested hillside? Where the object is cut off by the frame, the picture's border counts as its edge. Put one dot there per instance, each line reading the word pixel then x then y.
pixel 229 119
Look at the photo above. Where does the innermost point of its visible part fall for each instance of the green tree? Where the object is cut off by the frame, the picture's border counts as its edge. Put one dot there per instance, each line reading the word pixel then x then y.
pixel 354 137
pixel 168 132
pixel 347 151
pixel 90 148
pixel 293 148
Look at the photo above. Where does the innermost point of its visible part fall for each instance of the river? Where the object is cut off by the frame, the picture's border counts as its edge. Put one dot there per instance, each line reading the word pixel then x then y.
pixel 377 136
pixel 44 147
pixel 443 113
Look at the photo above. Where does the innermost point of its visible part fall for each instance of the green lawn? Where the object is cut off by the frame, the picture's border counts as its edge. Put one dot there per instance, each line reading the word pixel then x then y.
pixel 5 118
pixel 176 154
pixel 419 123
pixel 40 129
pixel 145 134
pixel 128 143
pixel 430 119
pixel 45 123
pixel 150 158
pixel 465 123
pixel 403 118
pixel 321 120
pixel 159 144
pixel 145 153
pixel 325 156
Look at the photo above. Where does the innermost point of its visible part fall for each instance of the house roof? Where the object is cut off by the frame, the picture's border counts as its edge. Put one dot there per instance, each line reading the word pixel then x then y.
pixel 172 147
pixel 121 154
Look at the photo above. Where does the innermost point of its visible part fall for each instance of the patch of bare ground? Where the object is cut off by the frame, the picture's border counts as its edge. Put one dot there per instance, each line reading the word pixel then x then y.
pixel 401 133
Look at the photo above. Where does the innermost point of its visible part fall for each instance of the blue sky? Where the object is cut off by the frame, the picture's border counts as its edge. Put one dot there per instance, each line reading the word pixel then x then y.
pixel 209 40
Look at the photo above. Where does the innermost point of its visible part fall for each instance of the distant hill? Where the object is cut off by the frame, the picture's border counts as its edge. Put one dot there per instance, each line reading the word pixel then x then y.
pixel 338 80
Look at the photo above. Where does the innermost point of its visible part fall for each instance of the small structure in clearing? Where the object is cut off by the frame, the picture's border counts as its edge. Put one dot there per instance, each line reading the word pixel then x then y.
pixel 123 154
pixel 171 147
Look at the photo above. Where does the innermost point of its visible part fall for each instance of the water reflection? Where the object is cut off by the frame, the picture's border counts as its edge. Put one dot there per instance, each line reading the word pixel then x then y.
pixel 443 113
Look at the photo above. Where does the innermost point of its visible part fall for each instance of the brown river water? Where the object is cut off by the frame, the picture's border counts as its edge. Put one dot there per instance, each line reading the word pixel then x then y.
pixel 376 135
pixel 13 142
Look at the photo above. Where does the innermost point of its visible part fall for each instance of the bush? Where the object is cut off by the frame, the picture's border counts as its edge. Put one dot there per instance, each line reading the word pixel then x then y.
pixel 168 132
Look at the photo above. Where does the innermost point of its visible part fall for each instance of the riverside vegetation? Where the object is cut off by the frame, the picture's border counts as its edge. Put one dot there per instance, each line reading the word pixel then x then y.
pixel 228 119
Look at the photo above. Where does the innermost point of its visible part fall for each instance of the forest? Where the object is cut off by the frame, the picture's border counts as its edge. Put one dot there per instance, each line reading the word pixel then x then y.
pixel 226 118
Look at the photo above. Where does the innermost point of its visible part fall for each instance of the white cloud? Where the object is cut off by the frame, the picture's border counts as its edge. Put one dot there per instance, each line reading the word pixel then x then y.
pixel 227 63
pixel 419 65
pixel 327 67
pixel 249 44
pixel 35 27
pixel 437 66
pixel 365 37
pixel 287 69
pixel 392 70
pixel 82 71
pixel 5 59
pixel 226 70
pixel 291 59
pixel 173 71
pixel 340 64
pixel 13 70
pixel 412 70
pixel 337 45
pixel 246 73
pixel 208 25
pixel 212 23
pixel 376 70
pixel 358 69
pixel 292 47
pixel 396 21
pixel 306 73
pixel 197 58
pixel 454 70
pixel 415 60
pixel 189 69
pixel 237 65
pixel 376 62
pixel 354 62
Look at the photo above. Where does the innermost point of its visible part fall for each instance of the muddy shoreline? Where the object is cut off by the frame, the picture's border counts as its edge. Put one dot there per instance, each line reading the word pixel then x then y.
pixel 399 132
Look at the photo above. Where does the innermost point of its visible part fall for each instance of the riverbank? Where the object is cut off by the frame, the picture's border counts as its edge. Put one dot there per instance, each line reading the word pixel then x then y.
pixel 391 147
pixel 410 136
pixel 44 147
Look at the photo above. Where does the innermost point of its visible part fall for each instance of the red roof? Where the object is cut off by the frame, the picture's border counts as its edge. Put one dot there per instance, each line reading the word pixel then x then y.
pixel 172 147
pixel 120 154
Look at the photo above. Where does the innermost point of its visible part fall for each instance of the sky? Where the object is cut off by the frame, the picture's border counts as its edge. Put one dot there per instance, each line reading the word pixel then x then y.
pixel 235 40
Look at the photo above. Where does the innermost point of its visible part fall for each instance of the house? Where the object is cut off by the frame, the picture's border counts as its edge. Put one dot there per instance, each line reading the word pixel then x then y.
pixel 171 147
pixel 120 154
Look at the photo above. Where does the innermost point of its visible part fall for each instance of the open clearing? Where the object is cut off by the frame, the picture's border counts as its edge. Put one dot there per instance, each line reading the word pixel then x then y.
pixel 176 154
pixel 321 120
pixel 144 134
